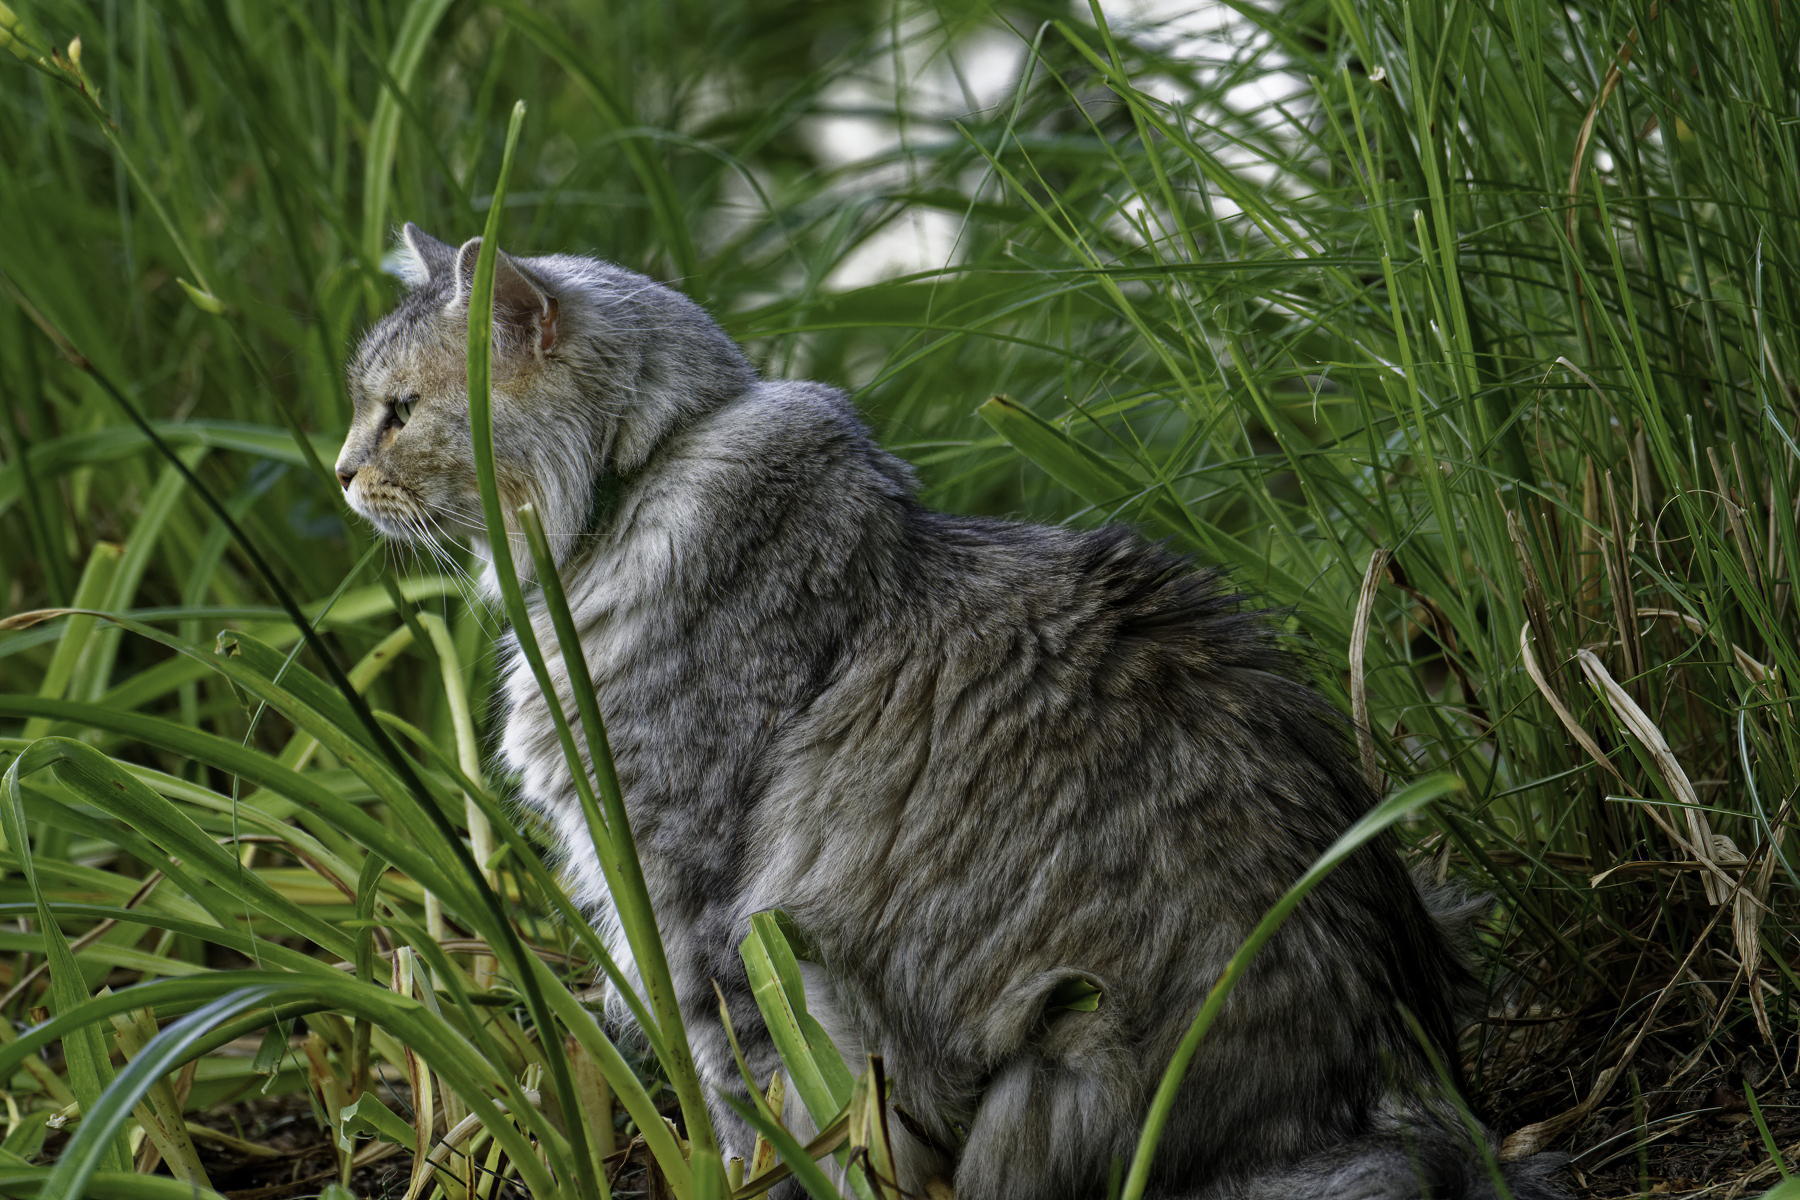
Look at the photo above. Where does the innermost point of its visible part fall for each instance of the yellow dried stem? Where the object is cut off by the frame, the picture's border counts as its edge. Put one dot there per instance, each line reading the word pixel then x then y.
pixel 418 1077
pixel 1359 693
pixel 160 1116
pixel 1581 736
pixel 1638 723
pixel 454 1142
pixel 762 1154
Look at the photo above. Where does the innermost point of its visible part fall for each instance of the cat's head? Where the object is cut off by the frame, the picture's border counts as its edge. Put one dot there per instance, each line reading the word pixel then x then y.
pixel 593 366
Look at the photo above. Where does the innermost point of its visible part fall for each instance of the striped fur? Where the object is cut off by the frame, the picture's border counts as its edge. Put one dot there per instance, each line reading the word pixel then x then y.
pixel 972 758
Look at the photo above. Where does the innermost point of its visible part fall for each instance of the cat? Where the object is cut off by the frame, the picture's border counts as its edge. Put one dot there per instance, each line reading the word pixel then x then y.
pixel 972 759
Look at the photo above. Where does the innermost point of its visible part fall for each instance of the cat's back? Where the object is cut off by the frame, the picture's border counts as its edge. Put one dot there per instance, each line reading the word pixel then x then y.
pixel 1089 662
pixel 1062 754
pixel 1070 725
pixel 954 734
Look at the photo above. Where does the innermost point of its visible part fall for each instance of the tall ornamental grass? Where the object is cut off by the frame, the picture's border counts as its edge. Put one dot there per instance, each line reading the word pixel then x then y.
pixel 1464 335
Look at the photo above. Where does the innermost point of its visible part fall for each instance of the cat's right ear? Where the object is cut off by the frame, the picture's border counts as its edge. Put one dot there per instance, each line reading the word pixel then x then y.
pixel 523 307
pixel 422 258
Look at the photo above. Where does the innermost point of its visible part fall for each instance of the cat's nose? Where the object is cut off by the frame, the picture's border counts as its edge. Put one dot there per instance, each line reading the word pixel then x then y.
pixel 344 477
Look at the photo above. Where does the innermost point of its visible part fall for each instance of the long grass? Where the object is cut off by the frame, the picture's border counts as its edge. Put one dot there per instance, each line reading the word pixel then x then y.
pixel 1465 335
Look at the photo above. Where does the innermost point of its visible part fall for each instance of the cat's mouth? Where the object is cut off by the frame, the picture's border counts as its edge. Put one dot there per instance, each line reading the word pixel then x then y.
pixel 395 510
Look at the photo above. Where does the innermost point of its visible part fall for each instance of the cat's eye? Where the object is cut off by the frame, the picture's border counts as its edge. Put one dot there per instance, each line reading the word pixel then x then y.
pixel 403 409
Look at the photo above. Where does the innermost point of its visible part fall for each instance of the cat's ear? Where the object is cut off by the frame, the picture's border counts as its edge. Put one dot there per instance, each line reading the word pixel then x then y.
pixel 421 258
pixel 524 309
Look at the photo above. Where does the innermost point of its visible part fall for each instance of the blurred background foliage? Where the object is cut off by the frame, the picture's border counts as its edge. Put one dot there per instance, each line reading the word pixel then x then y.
pixel 1464 334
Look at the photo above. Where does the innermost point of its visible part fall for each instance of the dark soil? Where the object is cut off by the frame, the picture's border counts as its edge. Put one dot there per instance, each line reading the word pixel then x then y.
pixel 1695 1136
pixel 307 1161
pixel 1676 1123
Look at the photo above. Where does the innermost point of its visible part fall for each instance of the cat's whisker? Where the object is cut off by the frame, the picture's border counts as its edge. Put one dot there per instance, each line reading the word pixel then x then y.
pixel 413 547
pixel 424 536
pixel 466 584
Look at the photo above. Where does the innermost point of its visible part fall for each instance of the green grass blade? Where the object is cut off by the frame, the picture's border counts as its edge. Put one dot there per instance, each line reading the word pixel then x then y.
pixel 479 377
pixel 617 850
pixel 104 784
pixel 86 1051
pixel 410 45
pixel 27 1182
pixel 96 581
pixel 814 1065
pixel 273 955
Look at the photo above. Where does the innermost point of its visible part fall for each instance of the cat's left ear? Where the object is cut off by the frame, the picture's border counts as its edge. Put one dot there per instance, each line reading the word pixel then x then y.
pixel 420 258
pixel 524 309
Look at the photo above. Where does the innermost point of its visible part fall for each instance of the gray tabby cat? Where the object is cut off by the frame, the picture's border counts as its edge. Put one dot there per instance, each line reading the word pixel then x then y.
pixel 972 759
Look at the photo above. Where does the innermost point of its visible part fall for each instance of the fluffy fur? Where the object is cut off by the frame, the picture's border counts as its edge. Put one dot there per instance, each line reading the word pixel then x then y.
pixel 973 759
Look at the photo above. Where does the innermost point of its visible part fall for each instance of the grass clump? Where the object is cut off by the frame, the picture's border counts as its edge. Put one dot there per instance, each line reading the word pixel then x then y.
pixel 1464 334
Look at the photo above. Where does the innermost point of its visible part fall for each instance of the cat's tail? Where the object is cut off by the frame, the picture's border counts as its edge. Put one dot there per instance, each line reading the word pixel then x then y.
pixel 1432 1166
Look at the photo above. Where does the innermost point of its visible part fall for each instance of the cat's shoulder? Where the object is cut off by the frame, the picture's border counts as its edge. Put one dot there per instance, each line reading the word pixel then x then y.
pixel 803 435
pixel 797 409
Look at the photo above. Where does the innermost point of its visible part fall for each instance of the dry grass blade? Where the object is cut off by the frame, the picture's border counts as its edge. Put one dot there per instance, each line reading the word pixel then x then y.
pixel 38 616
pixel 1757 672
pixel 836 1134
pixel 1639 723
pixel 1582 737
pixel 1359 692
pixel 1700 842
pixel 453 1143
pixel 166 1137
pixel 1746 931
pixel 762 1153
pixel 419 1080
pixel 1713 851
pixel 1586 134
